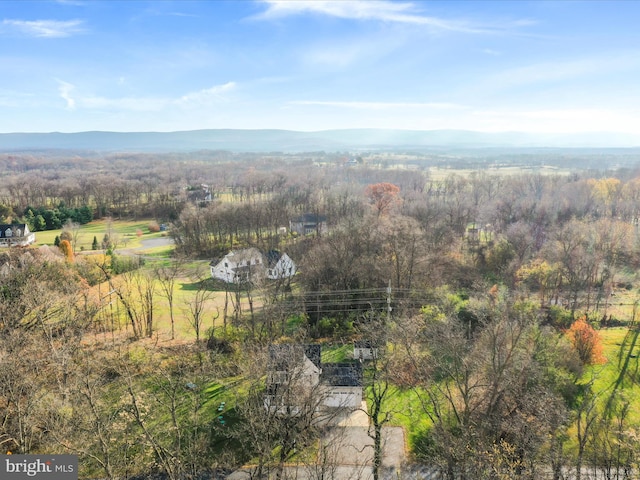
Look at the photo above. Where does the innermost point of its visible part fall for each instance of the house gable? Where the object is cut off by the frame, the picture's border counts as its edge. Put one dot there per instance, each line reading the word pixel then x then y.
pixel 279 265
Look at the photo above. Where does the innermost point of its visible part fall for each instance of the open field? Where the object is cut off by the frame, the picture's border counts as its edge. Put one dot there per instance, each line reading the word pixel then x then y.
pixel 133 237
pixel 438 173
pixel 124 233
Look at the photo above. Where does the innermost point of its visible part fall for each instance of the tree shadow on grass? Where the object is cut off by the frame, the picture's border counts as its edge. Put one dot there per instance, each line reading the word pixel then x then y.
pixel 627 369
pixel 206 284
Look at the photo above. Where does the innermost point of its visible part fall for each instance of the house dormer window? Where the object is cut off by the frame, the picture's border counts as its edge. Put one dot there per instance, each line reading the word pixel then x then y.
pixel 8 233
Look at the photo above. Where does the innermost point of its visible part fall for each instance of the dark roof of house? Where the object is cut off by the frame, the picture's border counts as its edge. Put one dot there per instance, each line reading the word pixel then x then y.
pixel 310 218
pixel 239 256
pixel 342 374
pixel 21 226
pixel 273 256
pixel 363 344
pixel 5 226
pixel 283 356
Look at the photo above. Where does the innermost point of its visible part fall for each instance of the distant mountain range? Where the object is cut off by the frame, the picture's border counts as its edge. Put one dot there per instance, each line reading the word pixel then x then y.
pixel 295 141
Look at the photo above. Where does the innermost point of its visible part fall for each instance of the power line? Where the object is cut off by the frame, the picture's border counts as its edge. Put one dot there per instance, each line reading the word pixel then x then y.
pixel 353 300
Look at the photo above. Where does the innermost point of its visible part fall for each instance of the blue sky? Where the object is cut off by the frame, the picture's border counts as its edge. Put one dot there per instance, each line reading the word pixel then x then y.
pixel 544 66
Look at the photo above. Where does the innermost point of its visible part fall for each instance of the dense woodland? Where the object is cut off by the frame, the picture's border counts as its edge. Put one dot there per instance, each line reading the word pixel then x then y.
pixel 499 285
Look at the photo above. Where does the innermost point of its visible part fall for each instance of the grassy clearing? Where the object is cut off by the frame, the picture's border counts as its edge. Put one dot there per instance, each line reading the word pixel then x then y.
pixel 620 375
pixel 125 233
pixel 129 235
pixel 408 412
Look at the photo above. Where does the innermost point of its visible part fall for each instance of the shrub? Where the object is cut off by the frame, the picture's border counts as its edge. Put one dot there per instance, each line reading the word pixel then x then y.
pixel 66 249
pixel 586 341
pixel 121 264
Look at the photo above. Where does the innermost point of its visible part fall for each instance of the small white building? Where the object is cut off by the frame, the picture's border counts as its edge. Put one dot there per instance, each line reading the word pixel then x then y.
pixel 292 382
pixel 364 350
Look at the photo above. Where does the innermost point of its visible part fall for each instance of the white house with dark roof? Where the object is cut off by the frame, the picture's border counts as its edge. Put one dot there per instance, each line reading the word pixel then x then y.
pixel 17 235
pixel 250 264
pixel 335 385
pixel 239 266
pixel 308 224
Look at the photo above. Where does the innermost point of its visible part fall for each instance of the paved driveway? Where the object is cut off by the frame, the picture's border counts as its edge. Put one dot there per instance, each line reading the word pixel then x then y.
pixel 346 452
pixel 354 447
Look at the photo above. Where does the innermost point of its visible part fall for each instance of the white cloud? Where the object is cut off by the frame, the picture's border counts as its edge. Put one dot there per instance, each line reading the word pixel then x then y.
pixel 334 56
pixel 65 89
pixel 129 104
pixel 383 10
pixel 45 28
pixel 207 95
pixel 142 104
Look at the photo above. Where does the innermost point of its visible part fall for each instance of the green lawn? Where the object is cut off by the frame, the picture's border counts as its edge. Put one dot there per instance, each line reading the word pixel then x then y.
pixel 620 375
pixel 125 234
pixel 129 234
pixel 336 353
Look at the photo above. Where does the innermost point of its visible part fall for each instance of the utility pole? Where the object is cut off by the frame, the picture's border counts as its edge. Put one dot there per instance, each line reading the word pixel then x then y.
pixel 389 308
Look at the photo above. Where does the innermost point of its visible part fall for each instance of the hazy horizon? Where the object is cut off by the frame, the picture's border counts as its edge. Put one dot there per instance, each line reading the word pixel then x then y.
pixel 542 68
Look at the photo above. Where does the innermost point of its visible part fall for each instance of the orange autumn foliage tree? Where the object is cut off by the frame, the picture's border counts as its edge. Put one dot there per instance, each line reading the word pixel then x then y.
pixel 66 249
pixel 586 340
pixel 383 196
